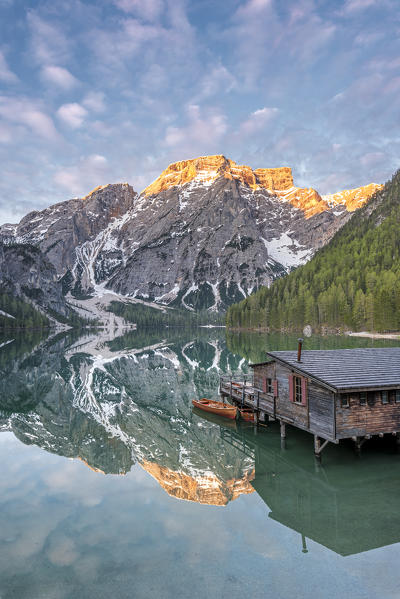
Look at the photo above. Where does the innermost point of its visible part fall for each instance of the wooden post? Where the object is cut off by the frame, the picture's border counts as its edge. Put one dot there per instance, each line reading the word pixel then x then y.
pixel 255 421
pixel 317 447
pixel 283 435
pixel 304 543
pixel 358 442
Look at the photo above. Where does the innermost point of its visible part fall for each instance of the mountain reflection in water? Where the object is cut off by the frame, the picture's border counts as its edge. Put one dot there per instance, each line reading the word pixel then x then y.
pixel 111 405
pixel 115 402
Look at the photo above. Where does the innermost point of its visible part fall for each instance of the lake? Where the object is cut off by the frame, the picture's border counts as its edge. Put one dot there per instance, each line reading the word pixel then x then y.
pixel 111 486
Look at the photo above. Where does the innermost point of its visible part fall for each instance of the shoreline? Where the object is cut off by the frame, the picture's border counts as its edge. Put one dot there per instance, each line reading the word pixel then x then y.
pixel 395 336
pixel 374 335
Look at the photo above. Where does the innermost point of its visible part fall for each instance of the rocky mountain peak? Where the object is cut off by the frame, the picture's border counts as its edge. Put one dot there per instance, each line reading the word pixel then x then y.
pixel 100 190
pixel 352 198
pixel 206 169
pixel 278 182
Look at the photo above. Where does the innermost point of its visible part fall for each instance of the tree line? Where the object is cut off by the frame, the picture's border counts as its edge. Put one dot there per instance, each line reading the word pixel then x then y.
pixel 24 315
pixel 146 316
pixel 353 282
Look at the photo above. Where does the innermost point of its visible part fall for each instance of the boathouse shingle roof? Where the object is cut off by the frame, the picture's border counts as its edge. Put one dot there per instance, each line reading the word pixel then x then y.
pixel 345 369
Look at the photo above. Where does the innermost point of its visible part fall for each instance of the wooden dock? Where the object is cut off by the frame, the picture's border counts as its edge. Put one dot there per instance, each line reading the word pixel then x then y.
pixel 241 391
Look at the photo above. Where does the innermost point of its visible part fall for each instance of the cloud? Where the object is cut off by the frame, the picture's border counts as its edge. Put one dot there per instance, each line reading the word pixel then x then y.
pixel 94 101
pixel 49 42
pixel 367 38
pixel 59 76
pixel 126 51
pixel 150 10
pixel 257 121
pixel 6 74
pixel 202 133
pixel 72 114
pixel 354 6
pixel 88 173
pixel 217 80
pixel 262 36
pixel 61 550
pixel 26 112
pixel 254 8
pixel 372 159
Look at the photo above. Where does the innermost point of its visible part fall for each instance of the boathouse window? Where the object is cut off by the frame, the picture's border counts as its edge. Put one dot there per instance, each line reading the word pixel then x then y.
pixel 397 395
pixel 298 390
pixel 385 397
pixel 344 401
pixel 267 385
pixel 363 399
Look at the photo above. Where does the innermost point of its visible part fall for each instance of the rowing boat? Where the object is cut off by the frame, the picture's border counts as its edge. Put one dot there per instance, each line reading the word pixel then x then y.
pixel 216 407
pixel 247 414
pixel 215 419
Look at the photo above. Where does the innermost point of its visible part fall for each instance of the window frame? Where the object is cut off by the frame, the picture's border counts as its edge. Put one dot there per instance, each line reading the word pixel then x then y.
pixel 270 389
pixel 298 390
pixel 345 400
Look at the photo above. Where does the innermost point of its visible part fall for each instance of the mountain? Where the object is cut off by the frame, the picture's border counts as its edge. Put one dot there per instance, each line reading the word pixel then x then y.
pixel 207 232
pixel 353 282
pixel 25 273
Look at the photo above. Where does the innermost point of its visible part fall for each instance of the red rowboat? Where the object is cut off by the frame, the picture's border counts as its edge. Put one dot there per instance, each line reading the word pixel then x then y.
pixel 216 407
pixel 247 414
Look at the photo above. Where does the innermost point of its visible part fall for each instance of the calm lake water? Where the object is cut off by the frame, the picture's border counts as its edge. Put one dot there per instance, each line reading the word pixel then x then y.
pixel 111 486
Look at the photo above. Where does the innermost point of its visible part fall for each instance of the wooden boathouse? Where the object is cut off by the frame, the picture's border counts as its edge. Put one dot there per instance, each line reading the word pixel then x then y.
pixel 332 394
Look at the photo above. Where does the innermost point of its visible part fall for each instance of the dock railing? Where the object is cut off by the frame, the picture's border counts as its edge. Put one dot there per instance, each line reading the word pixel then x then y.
pixel 235 384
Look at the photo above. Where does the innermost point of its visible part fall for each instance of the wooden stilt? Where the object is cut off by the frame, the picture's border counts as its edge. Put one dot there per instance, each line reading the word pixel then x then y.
pixel 256 419
pixel 319 446
pixel 358 443
pixel 304 543
pixel 283 435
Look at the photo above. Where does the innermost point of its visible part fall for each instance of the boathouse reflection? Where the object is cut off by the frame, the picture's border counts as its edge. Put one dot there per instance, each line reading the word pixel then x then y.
pixel 348 505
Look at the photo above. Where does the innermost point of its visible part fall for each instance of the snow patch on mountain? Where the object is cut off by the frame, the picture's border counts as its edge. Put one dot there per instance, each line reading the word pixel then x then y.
pixel 287 251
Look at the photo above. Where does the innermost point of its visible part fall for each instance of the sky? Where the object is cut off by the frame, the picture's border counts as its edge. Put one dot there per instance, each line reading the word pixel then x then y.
pixel 97 92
